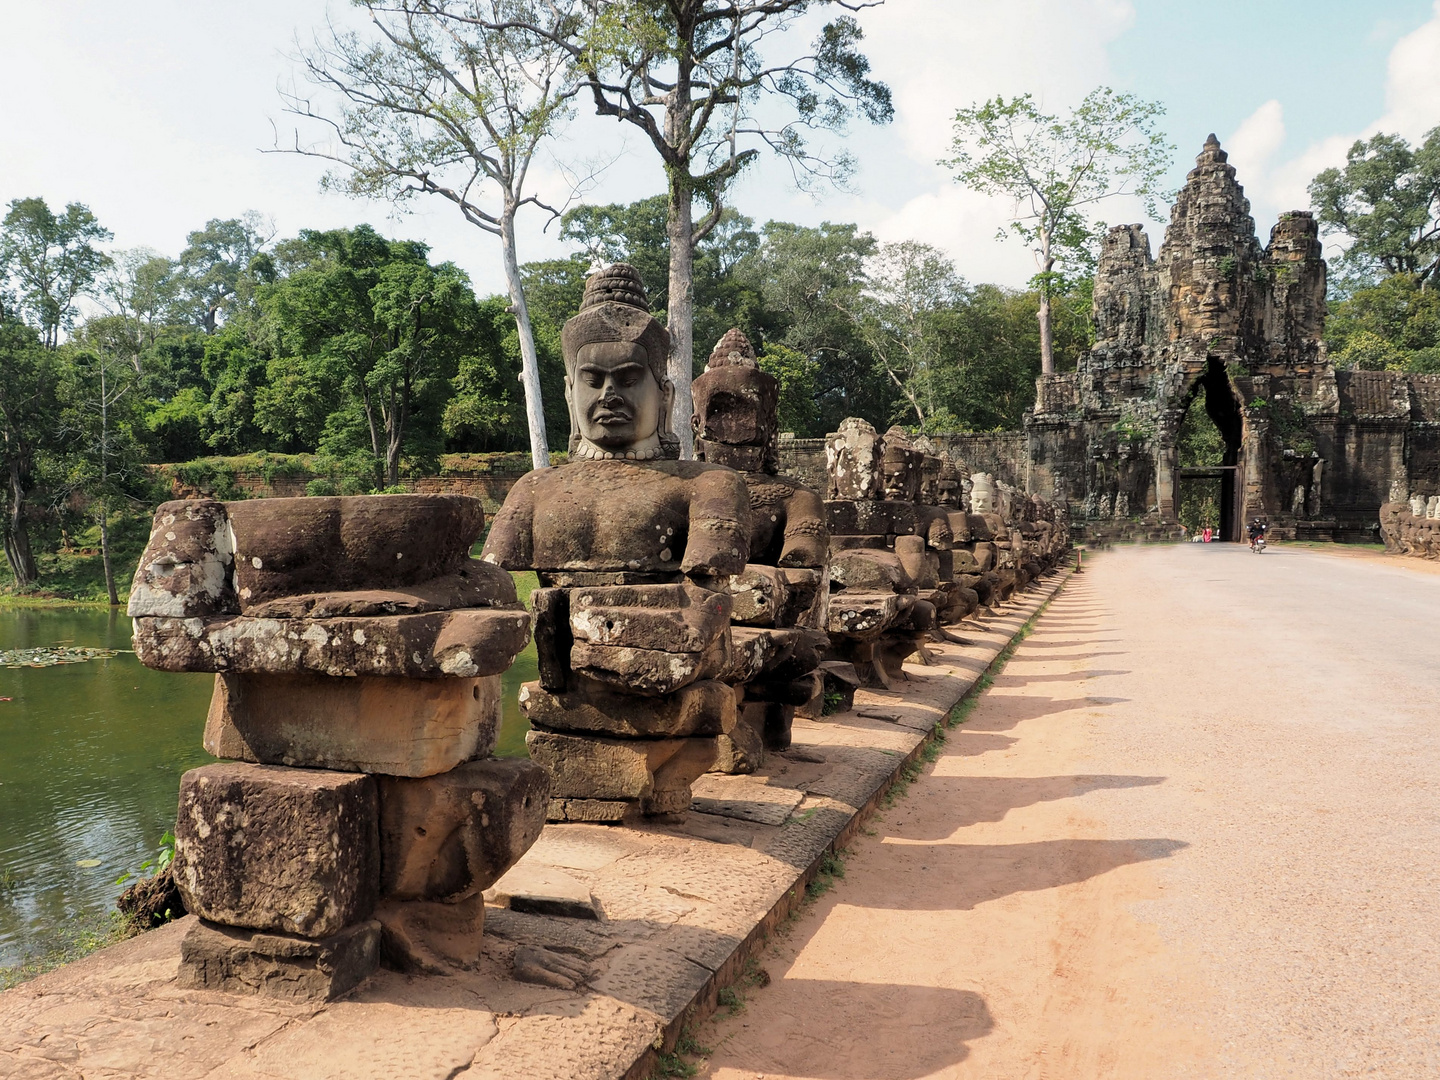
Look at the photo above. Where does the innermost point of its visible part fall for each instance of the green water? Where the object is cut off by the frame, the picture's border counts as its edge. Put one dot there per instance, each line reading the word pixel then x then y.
pixel 90 762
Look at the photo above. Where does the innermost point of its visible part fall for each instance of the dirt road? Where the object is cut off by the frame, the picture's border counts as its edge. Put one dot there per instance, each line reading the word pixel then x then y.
pixel 1192 831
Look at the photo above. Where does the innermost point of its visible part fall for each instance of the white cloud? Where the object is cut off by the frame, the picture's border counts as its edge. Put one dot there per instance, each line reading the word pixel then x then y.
pixel 1412 108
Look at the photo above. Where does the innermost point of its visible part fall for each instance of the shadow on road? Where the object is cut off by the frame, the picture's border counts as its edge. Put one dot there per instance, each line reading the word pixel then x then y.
pixel 990 798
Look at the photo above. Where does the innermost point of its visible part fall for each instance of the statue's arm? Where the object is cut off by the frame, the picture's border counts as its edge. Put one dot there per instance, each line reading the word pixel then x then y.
pixel 719 540
pixel 511 543
pixel 807 538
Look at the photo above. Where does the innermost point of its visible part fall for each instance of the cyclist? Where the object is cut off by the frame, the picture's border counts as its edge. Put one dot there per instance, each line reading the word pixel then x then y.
pixel 1257 531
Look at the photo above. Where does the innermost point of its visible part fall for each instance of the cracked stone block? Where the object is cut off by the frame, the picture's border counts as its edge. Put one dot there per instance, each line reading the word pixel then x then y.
pixel 650 672
pixel 475 584
pixel 862 613
pixel 656 773
pixel 184 572
pixel 706 707
pixel 468 643
pixel 272 848
pixel 674 618
pixel 760 595
pixel 450 836
pixel 398 727
pixel 869 571
pixel 288 547
pixel 743 749
pixel 274 965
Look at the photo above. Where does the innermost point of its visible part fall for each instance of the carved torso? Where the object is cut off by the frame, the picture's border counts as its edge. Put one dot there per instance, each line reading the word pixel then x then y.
pixel 661 517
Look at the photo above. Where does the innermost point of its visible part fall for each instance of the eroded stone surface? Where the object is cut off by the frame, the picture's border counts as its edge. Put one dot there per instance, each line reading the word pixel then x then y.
pixel 461 644
pixel 450 836
pixel 185 569
pixel 271 848
pixel 214 957
pixel 702 708
pixel 399 727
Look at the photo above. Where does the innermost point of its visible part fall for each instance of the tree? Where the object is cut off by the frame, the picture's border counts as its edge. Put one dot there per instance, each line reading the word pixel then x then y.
pixel 215 261
pixel 367 336
pixel 1393 325
pixel 454 99
pixel 1387 201
pixel 100 454
pixel 905 315
pixel 1055 170
pixel 692 76
pixel 27 409
pixel 808 281
pixel 53 260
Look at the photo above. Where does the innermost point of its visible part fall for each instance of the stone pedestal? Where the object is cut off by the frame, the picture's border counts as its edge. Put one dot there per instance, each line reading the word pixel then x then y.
pixel 217 957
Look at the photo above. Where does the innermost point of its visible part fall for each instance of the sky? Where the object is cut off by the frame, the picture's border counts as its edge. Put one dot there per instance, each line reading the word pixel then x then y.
pixel 155 113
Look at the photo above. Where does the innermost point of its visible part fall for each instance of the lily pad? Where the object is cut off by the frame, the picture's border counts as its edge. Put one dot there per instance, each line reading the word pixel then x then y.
pixel 51 656
pixel 87 864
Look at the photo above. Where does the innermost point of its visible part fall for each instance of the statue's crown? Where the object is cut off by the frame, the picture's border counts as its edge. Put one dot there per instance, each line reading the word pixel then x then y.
pixel 732 350
pixel 618 283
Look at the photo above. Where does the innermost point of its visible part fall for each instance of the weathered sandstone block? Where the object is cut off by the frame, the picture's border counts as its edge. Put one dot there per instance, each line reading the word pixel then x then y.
pixel 450 836
pixel 706 707
pixel 657 773
pixel 678 618
pixel 462 644
pixel 288 547
pixel 214 957
pixel 271 848
pixel 399 727
pixel 184 572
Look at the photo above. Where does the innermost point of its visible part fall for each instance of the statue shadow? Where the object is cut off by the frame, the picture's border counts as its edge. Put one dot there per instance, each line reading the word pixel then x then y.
pixel 1074 676
pixel 990 798
pixel 1006 711
pixel 946 876
pixel 835 1030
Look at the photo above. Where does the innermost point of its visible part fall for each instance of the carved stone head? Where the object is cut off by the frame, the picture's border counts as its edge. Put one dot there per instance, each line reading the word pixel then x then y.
pixel 616 385
pixel 852 461
pixel 982 493
pixel 736 409
pixel 901 466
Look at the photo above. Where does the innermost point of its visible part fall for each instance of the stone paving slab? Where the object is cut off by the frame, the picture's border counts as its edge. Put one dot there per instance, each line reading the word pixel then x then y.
pixel 681 909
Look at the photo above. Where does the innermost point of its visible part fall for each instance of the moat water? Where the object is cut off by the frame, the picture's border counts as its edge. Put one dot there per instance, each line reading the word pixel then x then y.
pixel 90 762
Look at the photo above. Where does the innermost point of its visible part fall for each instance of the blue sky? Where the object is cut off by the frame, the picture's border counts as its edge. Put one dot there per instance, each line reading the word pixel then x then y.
pixel 153 112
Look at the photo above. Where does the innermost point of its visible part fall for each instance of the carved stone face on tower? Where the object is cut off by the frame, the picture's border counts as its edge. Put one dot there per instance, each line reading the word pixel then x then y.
pixel 615 372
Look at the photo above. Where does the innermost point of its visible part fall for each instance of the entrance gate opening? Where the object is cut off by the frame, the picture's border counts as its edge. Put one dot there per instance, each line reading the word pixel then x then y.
pixel 1209 457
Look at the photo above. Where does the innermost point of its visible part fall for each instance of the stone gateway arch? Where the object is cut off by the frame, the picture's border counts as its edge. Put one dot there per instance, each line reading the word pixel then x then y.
pixel 1312 450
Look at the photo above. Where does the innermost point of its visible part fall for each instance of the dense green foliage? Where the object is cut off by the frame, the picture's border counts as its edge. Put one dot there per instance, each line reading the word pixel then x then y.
pixel 1385 204
pixel 351 360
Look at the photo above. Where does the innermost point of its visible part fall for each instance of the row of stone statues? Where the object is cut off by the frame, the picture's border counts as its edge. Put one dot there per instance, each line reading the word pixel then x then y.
pixel 1412 527
pixel 686 610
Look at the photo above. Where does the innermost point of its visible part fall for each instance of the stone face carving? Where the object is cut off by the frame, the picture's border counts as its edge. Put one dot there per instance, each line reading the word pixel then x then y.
pixel 357 649
pixel 634 552
pixel 780 599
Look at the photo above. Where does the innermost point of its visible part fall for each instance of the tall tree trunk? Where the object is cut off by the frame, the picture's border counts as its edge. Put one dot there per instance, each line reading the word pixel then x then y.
pixel 680 314
pixel 375 454
pixel 1047 334
pixel 394 437
pixel 105 556
pixel 529 360
pixel 17 536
